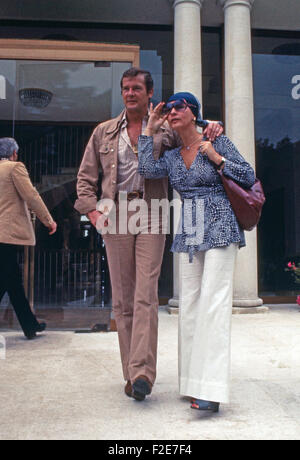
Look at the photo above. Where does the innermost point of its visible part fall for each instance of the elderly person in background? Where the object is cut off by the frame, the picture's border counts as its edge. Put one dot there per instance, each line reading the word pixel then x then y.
pixel 208 239
pixel 17 194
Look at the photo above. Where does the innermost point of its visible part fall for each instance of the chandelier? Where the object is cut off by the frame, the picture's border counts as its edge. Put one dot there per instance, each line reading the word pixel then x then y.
pixel 35 97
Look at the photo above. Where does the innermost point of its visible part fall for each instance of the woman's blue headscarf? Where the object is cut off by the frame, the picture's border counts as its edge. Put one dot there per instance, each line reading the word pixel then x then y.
pixel 190 99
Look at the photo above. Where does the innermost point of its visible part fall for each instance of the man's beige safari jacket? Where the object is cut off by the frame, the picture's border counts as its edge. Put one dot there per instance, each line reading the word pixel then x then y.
pixel 101 157
pixel 17 194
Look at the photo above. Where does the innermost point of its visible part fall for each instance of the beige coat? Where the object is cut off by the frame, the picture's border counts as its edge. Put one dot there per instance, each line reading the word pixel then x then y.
pixel 17 194
pixel 101 157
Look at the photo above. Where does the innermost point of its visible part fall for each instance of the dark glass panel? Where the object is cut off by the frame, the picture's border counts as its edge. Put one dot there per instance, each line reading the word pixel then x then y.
pixel 276 70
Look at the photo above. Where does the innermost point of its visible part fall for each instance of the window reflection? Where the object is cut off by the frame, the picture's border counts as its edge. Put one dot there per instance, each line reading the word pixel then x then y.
pixel 277 121
pixel 51 108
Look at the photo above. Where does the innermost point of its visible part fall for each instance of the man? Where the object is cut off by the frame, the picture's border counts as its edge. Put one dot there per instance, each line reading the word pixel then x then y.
pixel 17 194
pixel 134 258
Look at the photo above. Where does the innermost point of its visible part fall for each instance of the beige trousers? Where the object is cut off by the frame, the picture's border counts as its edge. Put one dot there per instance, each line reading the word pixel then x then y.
pixel 205 309
pixel 134 265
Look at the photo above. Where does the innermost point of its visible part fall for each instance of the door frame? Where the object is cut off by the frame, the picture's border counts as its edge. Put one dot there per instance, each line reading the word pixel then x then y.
pixel 49 50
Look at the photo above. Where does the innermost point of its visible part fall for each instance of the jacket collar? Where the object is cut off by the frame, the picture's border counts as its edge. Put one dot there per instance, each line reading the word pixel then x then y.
pixel 116 123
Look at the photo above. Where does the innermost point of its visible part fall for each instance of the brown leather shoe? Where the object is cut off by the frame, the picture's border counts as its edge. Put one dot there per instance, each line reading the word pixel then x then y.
pixel 141 387
pixel 128 389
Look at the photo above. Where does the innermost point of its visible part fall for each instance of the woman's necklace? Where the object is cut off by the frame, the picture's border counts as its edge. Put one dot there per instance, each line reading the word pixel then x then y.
pixel 135 148
pixel 188 147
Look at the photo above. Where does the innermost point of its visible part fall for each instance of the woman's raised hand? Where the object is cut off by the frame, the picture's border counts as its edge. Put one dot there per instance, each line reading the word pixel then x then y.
pixel 156 119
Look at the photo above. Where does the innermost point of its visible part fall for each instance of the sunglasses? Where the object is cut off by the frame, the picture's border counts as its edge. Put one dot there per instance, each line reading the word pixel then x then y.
pixel 179 106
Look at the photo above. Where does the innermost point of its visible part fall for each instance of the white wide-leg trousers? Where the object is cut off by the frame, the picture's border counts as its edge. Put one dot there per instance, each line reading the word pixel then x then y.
pixel 205 310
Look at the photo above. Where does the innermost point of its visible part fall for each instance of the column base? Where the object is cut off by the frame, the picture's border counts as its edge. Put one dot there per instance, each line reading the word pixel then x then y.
pixel 244 306
pixel 256 302
pixel 172 307
pixel 240 307
pixel 249 310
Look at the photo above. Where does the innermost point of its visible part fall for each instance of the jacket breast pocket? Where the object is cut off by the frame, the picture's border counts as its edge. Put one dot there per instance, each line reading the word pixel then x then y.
pixel 106 154
pixel 105 149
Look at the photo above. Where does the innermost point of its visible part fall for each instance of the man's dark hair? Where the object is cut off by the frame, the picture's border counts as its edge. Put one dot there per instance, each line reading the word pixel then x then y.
pixel 133 72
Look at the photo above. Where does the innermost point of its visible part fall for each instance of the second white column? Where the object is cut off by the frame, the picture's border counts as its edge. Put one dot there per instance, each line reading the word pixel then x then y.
pixel 239 115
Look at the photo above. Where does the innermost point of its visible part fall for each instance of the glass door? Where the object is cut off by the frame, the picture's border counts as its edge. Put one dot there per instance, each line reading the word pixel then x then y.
pixel 51 107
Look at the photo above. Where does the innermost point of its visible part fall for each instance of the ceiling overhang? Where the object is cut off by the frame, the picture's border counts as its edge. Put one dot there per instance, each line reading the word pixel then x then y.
pixel 266 14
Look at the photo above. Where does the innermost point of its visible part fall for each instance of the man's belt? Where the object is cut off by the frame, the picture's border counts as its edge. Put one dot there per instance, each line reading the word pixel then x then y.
pixel 132 195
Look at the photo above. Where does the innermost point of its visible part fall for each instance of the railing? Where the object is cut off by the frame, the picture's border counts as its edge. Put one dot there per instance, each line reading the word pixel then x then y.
pixel 50 153
pixel 71 279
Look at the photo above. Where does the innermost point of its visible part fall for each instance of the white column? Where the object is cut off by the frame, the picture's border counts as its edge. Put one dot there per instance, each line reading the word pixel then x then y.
pixel 187 77
pixel 239 119
pixel 187 47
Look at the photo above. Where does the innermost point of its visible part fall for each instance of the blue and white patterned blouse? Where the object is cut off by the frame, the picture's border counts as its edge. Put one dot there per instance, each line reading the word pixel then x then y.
pixel 207 218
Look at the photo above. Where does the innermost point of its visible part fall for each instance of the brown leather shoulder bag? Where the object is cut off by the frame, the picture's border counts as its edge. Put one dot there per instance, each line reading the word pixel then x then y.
pixel 246 203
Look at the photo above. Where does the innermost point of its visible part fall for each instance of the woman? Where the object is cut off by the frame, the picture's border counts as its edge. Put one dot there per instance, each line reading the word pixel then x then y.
pixel 207 240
